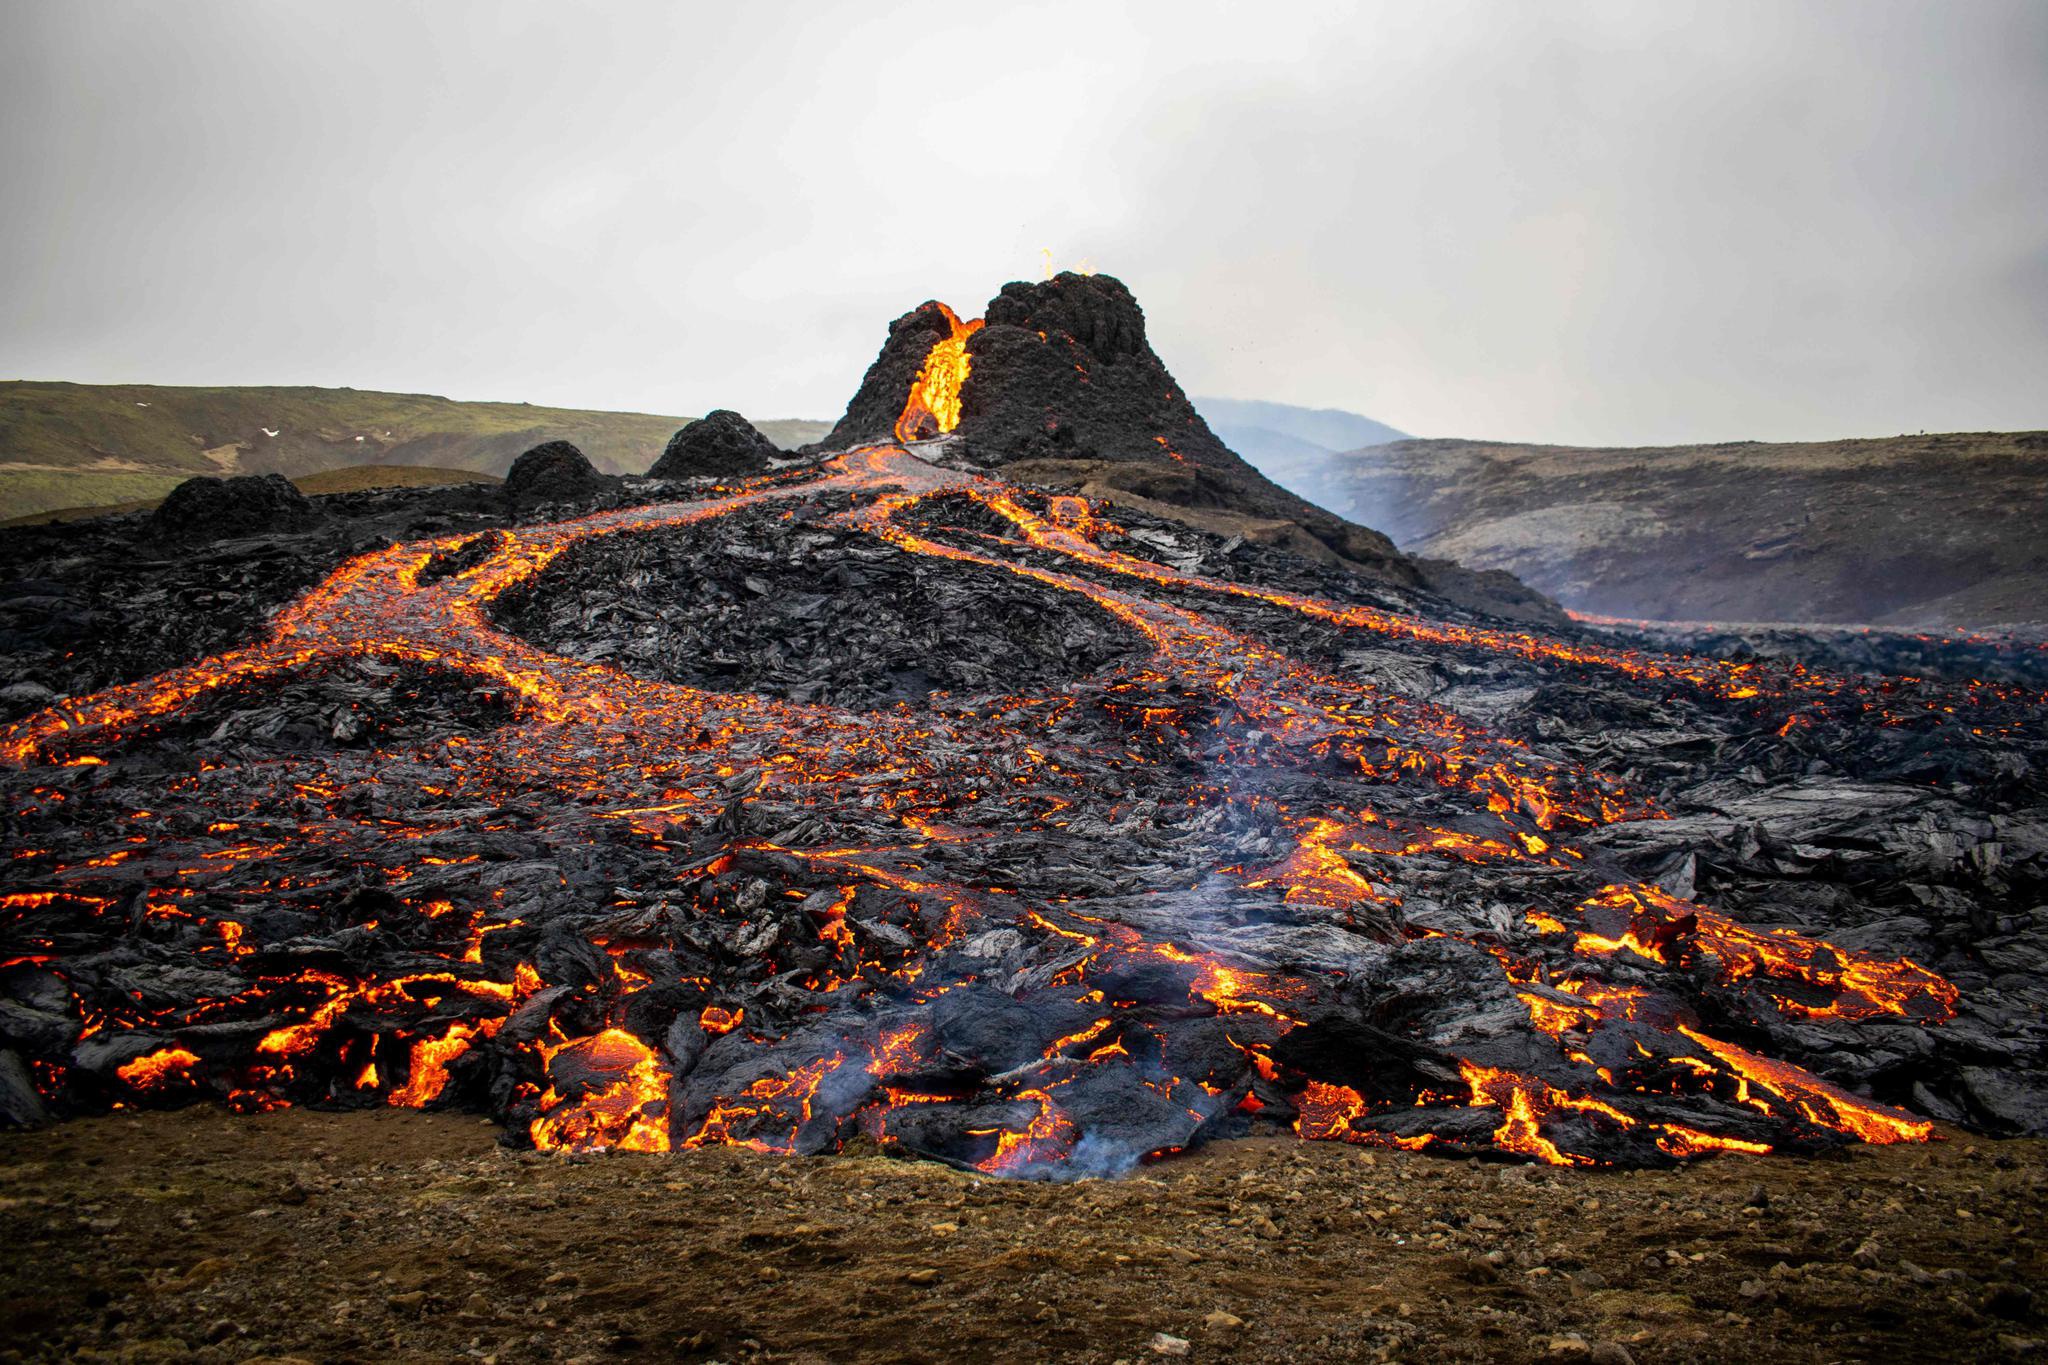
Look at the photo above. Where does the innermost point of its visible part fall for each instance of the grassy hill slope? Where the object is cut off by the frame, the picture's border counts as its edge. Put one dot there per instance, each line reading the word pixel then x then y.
pixel 68 445
pixel 349 479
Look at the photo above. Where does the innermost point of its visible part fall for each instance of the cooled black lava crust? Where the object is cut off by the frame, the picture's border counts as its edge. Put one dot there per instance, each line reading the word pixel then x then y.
pixel 814 614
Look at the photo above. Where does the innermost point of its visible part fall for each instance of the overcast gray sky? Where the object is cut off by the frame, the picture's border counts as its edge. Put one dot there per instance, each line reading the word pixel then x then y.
pixel 1597 223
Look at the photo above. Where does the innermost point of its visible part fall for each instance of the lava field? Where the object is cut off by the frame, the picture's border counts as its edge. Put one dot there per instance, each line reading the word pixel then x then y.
pixel 878 799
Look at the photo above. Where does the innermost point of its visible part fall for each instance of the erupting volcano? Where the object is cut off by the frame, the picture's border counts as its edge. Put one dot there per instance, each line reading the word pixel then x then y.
pixel 933 408
pixel 886 797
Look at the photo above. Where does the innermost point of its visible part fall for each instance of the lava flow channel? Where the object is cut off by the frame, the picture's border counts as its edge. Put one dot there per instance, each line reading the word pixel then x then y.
pixel 837 940
pixel 933 407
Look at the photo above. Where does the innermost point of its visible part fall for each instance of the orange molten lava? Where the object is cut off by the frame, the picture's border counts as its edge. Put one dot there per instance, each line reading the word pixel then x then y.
pixel 155 1070
pixel 627 1112
pixel 1804 977
pixel 933 408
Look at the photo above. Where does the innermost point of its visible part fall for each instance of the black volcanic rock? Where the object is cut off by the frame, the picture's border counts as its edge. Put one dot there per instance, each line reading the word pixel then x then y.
pixel 717 444
pixel 207 508
pixel 809 619
pixel 1062 370
pixel 554 472
pixel 1073 871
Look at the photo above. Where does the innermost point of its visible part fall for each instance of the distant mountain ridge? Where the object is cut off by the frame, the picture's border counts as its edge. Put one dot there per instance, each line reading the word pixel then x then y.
pixel 1294 447
pixel 1331 428
pixel 69 445
pixel 1938 530
pixel 1909 531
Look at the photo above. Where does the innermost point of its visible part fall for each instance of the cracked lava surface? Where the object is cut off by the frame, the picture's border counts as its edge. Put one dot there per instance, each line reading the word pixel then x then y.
pixel 858 928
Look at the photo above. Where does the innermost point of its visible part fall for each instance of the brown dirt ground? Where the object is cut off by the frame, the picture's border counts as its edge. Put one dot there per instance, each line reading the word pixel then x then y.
pixel 404 1236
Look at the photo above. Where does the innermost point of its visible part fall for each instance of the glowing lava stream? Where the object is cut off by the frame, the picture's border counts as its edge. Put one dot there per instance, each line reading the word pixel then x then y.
pixel 933 408
pixel 379 605
pixel 1732 680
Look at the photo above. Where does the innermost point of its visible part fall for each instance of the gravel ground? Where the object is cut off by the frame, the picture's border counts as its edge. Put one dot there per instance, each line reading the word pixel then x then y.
pixel 412 1236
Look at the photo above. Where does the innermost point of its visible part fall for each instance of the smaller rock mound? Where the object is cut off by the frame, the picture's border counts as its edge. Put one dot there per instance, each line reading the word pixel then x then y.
pixel 206 508
pixel 716 445
pixel 815 616
pixel 554 472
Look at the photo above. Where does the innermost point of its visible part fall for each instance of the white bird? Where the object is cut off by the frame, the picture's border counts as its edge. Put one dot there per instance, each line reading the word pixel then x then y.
pixel 266 431
pixel 142 405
